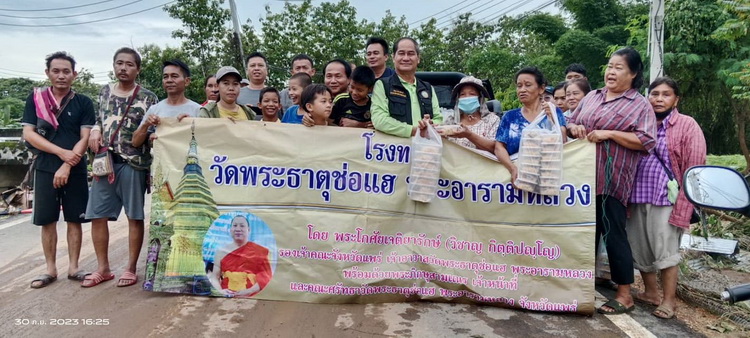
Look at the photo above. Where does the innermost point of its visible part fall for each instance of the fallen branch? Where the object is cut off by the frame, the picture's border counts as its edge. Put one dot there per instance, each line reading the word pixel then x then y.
pixel 722 216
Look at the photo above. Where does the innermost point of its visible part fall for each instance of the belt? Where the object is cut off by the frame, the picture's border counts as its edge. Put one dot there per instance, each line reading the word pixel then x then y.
pixel 117 159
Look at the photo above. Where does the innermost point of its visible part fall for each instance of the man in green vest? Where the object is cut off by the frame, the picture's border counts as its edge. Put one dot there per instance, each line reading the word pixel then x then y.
pixel 402 104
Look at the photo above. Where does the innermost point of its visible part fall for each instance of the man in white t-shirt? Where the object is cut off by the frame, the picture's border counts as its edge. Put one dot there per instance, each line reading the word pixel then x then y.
pixel 175 78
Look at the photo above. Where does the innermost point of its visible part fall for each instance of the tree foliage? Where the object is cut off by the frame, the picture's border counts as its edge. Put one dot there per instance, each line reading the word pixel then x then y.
pixel 204 22
pixel 592 14
pixel 152 57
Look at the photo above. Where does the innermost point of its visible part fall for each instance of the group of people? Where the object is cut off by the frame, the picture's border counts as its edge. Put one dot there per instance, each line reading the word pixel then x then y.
pixel 641 143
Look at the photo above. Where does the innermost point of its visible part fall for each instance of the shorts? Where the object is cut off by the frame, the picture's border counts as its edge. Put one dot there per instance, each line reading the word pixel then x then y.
pixel 47 200
pixel 128 190
pixel 655 243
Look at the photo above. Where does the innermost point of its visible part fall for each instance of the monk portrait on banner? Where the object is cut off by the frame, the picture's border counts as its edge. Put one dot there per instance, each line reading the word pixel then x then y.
pixel 241 268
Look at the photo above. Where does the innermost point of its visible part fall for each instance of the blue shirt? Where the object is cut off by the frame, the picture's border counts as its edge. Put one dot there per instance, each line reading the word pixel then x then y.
pixel 290 116
pixel 513 124
pixel 387 73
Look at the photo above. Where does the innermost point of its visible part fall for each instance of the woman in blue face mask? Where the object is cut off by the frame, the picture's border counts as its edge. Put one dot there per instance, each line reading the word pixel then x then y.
pixel 530 84
pixel 472 125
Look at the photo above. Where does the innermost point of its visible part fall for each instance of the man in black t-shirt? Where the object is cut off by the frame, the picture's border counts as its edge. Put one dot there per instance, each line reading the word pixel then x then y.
pixel 352 109
pixel 57 122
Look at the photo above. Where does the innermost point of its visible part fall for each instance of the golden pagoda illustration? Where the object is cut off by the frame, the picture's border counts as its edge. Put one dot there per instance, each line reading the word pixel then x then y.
pixel 188 216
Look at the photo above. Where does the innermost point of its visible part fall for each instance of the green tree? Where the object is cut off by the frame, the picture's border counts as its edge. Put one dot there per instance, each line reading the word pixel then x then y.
pixel 16 87
pixel 13 109
pixel 432 44
pixel 464 36
pixel 204 26
pixel 695 60
pixel 153 57
pixel 592 14
pixel 578 46
pixel 390 28
pixel 548 26
pixel 324 32
pixel 84 84
pixel 736 70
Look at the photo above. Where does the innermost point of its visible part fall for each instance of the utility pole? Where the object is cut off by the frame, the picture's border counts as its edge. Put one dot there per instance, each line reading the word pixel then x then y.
pixel 656 39
pixel 237 33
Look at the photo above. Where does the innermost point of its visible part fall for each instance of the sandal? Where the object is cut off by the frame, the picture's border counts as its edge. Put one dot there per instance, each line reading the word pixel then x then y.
pixel 615 305
pixel 95 279
pixel 638 297
pixel 80 275
pixel 45 279
pixel 663 312
pixel 127 279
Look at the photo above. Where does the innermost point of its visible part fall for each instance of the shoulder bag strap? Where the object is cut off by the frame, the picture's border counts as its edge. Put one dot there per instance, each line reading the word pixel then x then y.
pixel 669 172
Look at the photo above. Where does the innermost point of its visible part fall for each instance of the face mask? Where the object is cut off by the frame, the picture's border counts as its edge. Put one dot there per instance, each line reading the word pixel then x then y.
pixel 661 116
pixel 468 105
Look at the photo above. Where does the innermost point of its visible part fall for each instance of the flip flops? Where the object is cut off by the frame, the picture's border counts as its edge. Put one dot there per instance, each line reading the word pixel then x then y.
pixel 45 279
pixel 95 279
pixel 663 312
pixel 80 275
pixel 618 308
pixel 127 279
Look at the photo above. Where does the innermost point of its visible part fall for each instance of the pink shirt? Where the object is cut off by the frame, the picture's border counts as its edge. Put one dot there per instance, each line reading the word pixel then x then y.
pixel 687 148
pixel 615 164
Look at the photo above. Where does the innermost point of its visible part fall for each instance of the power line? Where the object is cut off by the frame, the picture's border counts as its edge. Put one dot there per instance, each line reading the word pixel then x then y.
pixel 448 23
pixel 453 12
pixel 53 9
pixel 88 22
pixel 499 14
pixel 433 15
pixel 69 16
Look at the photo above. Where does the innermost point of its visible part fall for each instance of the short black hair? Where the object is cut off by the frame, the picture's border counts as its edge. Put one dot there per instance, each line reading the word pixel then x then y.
pixel 131 51
pixel 177 63
pixel 559 86
pixel 347 67
pixel 364 75
pixel 378 40
pixel 635 63
pixel 256 55
pixel 582 84
pixel 60 55
pixel 205 82
pixel 308 95
pixel 302 57
pixel 303 78
pixel 535 72
pixel 576 68
pixel 416 45
pixel 268 90
pixel 667 81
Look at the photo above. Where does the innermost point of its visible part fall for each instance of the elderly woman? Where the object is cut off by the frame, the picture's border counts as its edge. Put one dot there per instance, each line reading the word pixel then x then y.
pixel 622 124
pixel 530 84
pixel 477 125
pixel 575 90
pixel 657 222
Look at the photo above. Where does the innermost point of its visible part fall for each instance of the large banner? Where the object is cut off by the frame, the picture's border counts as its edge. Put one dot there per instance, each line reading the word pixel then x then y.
pixel 321 215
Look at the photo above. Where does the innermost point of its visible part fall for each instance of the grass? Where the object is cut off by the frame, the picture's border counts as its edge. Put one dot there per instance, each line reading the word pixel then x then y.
pixel 736 162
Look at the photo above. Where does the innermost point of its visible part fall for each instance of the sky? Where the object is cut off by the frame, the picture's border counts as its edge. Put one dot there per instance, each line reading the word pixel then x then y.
pixel 25 41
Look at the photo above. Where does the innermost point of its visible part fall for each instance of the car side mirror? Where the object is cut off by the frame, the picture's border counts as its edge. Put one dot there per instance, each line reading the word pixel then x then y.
pixel 717 188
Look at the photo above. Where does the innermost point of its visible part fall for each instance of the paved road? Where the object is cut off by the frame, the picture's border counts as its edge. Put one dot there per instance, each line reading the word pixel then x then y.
pixel 64 309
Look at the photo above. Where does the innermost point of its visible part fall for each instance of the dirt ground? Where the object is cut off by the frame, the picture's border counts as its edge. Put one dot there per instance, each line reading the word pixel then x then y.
pixel 697 318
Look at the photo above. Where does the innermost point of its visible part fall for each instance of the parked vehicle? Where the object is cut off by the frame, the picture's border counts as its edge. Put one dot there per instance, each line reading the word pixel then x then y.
pixel 443 82
pixel 720 188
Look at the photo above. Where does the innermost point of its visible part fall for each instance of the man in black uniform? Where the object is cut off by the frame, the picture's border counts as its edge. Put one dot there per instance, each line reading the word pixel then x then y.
pixel 57 122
